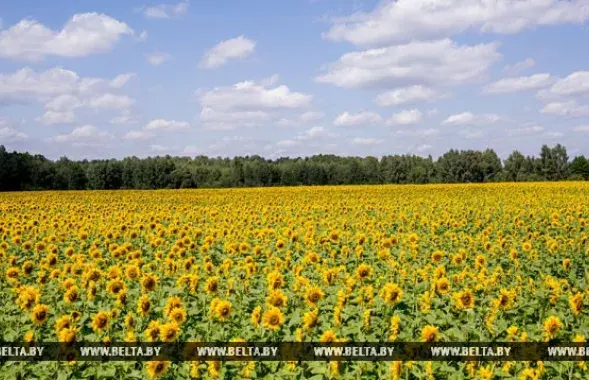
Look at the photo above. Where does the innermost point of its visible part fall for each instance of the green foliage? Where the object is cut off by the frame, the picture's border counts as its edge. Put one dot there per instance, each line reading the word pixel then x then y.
pixel 23 171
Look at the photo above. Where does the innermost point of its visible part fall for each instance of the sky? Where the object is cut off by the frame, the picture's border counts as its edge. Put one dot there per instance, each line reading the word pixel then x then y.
pixel 112 78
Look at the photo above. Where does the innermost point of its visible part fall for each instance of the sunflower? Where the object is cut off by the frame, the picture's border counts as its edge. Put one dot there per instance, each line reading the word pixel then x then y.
pixel 552 326
pixel 39 314
pixel 71 295
pixel 177 315
pixel 273 318
pixel 310 319
pixel 364 271
pixel 152 332
pixel 328 337
pixel 157 368
pixel 430 334
pixel 442 285
pixel 100 321
pixel 391 294
pixel 222 309
pixel 171 304
pixel 63 322
pixel 437 256
pixel 276 298
pixel 314 295
pixel 169 332
pixel 256 316
pixel 464 300
pixel 67 335
pixel 149 283
pixel 143 305
pixel 115 286
pixel 212 285
pixel 576 303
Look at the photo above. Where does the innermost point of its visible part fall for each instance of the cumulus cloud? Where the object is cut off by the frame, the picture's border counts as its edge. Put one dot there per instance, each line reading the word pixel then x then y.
pixel 468 118
pixel 157 58
pixel 63 91
pixel 138 135
pixel 300 120
pixel 518 84
pixel 166 11
pixel 51 117
pixel 525 130
pixel 429 132
pixel 9 134
pixel 405 117
pixel 410 94
pixel 581 128
pixel 365 118
pixel 399 21
pixel 568 109
pixel 167 125
pixel 518 67
pixel 84 34
pixel 418 62
pixel 248 103
pixel 86 135
pixel 366 141
pixel 574 85
pixel 235 48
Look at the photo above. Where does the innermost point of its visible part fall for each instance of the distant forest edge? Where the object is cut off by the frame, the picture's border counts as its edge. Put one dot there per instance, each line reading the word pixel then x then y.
pixel 23 171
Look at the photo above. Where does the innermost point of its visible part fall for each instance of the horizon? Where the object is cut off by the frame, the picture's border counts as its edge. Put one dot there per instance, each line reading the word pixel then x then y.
pixel 298 79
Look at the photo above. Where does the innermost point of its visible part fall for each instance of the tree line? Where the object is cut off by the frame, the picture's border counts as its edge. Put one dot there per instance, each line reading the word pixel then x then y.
pixel 23 171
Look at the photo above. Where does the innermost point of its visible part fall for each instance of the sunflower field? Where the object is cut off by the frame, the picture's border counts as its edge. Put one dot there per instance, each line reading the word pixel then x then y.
pixel 492 262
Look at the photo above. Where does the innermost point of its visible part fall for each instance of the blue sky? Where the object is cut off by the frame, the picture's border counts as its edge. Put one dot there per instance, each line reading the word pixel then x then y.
pixel 293 78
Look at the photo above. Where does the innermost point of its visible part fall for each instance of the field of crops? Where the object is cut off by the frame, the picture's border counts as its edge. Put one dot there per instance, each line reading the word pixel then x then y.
pixel 506 262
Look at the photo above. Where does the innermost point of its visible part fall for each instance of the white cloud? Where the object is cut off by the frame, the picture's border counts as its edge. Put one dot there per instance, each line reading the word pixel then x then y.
pixel 235 48
pixel 110 101
pixel 84 135
pixel 169 125
pixel 418 62
pixel 121 80
pixel 518 67
pixel 124 119
pixel 576 84
pixel 8 134
pixel 300 120
pixel 423 148
pixel 366 141
pixel 248 103
pixel 429 132
pixel 157 58
pixel 411 94
pixel 51 117
pixel 138 135
pixel 363 118
pixel 166 11
pixel 191 150
pixel 553 135
pixel 517 84
pixel 405 117
pixel 84 34
pixel 159 148
pixel 569 108
pixel 311 116
pixel 581 128
pixel 468 118
pixel 525 130
pixel 398 21
pixel 62 92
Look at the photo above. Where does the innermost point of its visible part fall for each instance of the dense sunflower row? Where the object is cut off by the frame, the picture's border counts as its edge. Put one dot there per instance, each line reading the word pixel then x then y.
pixel 505 262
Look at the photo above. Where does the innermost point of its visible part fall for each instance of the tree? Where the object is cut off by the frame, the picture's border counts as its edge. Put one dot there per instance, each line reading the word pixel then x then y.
pixel 579 168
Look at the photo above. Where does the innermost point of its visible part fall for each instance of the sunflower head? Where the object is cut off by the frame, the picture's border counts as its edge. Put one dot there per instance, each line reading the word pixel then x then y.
pixel 430 334
pixel 273 318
